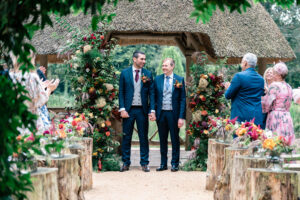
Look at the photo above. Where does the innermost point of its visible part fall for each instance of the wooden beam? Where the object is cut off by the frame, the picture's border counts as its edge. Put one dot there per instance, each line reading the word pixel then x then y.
pixel 188 110
pixel 262 66
pixel 145 36
pixel 195 44
pixel 180 45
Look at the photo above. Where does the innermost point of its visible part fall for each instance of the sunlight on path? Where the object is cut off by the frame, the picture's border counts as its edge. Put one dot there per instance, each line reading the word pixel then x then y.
pixel 136 184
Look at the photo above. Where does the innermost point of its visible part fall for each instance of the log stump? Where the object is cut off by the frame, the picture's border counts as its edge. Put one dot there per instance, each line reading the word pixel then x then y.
pixel 222 188
pixel 69 184
pixel 215 162
pixel 87 176
pixel 45 185
pixel 238 179
pixel 264 183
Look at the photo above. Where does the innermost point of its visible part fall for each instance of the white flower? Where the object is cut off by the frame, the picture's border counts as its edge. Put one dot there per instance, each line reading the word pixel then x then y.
pixel 197 116
pixel 108 86
pixel 87 70
pixel 80 79
pixel 86 48
pixel 203 83
pixel 268 133
pixel 75 66
pixel 100 103
pixel 77 52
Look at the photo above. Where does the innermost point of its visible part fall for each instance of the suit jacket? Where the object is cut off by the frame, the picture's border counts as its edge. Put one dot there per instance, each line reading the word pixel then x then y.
pixel 178 96
pixel 126 90
pixel 245 92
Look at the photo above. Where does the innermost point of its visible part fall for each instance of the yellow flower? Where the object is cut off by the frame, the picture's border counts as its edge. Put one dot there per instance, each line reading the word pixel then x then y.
pixel 103 125
pixel 217 111
pixel 206 132
pixel 95 153
pixel 269 144
pixel 227 127
pixel 91 115
pixel 76 114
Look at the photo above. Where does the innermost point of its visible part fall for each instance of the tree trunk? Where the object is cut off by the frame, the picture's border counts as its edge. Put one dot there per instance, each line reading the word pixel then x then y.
pixel 69 184
pixel 238 179
pixel 117 135
pixel 215 162
pixel 85 162
pixel 222 188
pixel 45 185
pixel 263 184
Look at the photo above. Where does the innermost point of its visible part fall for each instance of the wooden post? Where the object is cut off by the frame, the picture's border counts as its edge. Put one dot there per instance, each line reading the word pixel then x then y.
pixel 45 185
pixel 264 183
pixel 87 175
pixel 44 62
pixel 223 186
pixel 262 66
pixel 215 162
pixel 238 179
pixel 188 110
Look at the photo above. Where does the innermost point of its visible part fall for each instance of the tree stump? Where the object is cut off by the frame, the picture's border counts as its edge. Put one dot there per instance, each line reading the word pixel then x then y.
pixel 215 162
pixel 69 184
pixel 222 188
pixel 238 179
pixel 45 185
pixel 87 175
pixel 266 184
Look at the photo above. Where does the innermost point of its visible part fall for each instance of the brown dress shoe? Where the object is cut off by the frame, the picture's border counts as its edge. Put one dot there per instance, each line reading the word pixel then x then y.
pixel 124 168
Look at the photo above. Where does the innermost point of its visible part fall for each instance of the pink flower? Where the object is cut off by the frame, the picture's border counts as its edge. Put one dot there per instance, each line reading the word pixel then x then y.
pixel 46 132
pixel 30 138
pixel 84 39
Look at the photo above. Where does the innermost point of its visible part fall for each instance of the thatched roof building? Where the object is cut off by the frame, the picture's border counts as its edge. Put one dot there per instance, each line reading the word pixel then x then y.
pixel 167 22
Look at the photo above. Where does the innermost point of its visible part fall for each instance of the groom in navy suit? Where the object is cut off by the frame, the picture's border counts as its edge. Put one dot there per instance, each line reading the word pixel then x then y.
pixel 135 91
pixel 245 92
pixel 170 111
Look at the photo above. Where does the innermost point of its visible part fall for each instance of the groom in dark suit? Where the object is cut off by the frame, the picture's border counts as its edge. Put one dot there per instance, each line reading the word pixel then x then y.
pixel 170 111
pixel 135 91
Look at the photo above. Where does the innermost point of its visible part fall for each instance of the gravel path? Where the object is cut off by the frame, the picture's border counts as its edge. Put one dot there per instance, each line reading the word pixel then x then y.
pixel 136 184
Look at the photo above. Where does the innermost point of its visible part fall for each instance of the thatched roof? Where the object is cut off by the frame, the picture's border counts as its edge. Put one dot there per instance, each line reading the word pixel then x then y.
pixel 167 22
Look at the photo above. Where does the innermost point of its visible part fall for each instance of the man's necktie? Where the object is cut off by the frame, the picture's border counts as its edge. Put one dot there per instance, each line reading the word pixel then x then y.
pixel 137 75
pixel 168 82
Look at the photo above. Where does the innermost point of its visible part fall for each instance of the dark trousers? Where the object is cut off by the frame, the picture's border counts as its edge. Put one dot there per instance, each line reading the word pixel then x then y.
pixel 166 123
pixel 135 114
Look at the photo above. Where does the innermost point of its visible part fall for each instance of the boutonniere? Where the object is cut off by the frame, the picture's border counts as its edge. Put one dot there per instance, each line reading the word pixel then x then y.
pixel 177 84
pixel 145 78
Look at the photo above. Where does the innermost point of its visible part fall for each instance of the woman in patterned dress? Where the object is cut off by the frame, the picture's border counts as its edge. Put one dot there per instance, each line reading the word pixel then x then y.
pixel 277 103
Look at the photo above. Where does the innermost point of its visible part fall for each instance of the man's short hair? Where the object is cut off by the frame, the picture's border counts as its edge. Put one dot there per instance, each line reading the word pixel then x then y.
pixel 136 53
pixel 251 59
pixel 172 62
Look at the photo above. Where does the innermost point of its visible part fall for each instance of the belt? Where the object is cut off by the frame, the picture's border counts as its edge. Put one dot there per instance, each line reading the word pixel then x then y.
pixel 136 106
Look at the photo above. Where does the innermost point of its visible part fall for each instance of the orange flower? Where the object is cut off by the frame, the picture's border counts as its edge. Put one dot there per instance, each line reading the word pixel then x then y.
pixel 269 144
pixel 227 127
pixel 206 132
pixel 107 133
pixel 62 134
pixel 204 112
pixel 19 137
pixel 108 123
pixel 240 131
pixel 188 132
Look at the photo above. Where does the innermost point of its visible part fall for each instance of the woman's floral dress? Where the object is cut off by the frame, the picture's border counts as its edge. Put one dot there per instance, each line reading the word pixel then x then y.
pixel 277 103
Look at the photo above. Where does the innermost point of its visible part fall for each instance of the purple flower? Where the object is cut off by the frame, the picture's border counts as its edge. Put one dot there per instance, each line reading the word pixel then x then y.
pixel 70 130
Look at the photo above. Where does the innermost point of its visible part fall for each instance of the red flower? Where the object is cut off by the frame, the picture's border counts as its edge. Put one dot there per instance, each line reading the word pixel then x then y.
pixel 84 39
pixel 60 126
pixel 92 35
pixel 107 133
pixel 93 42
pixel 74 123
pixel 191 125
pixel 198 126
pixel 101 37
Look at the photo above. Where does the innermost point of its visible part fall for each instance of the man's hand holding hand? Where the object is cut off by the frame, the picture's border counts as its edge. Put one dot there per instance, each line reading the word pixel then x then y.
pixel 180 123
pixel 124 114
pixel 152 116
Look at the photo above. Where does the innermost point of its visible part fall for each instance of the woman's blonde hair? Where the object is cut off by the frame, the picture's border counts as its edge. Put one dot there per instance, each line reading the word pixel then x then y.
pixel 265 74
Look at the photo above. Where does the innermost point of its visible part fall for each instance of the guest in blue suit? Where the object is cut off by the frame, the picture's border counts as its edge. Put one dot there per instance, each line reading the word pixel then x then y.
pixel 135 91
pixel 170 112
pixel 245 92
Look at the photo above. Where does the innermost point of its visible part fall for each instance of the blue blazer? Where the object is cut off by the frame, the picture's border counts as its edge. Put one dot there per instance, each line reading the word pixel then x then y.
pixel 126 90
pixel 178 96
pixel 245 92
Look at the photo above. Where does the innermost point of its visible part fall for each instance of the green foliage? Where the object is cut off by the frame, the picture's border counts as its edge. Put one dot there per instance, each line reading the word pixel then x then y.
pixel 171 52
pixel 295 113
pixel 12 97
pixel 122 56
pixel 205 9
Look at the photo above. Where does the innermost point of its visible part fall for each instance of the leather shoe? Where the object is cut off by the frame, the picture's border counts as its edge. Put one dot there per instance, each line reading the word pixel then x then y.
pixel 145 168
pixel 162 168
pixel 174 168
pixel 124 168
